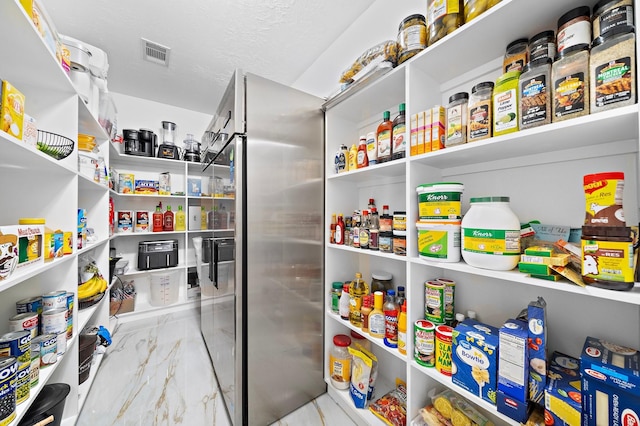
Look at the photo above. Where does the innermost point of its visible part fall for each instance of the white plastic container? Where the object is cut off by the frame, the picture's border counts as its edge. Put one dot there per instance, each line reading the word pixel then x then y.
pixel 490 234
pixel 163 288
pixel 439 241
pixel 439 201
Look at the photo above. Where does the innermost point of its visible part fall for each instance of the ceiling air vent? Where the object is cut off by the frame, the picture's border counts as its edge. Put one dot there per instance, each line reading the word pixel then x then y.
pixel 156 53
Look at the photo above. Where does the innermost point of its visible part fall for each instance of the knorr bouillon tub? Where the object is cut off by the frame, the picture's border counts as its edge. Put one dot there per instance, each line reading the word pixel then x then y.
pixel 439 201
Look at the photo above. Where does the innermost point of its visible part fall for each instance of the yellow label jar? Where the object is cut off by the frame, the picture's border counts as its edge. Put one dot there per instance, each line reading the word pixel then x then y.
pixel 505 103
pixel 607 257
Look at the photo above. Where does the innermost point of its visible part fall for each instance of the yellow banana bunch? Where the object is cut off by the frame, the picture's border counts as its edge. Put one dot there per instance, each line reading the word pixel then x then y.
pixel 93 286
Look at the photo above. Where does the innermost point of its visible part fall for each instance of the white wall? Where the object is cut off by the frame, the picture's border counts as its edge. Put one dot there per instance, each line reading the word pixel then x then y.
pixel 378 23
pixel 138 113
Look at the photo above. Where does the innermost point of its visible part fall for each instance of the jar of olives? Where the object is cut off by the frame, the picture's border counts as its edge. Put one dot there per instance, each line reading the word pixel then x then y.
pixel 474 8
pixel 443 17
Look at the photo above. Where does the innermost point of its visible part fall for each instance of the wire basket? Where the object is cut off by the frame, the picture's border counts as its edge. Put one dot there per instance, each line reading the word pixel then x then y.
pixel 56 146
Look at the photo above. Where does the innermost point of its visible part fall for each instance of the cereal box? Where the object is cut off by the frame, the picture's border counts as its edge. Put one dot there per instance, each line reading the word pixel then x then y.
pixel 537 344
pixel 29 131
pixel 562 397
pixel 610 384
pixel 475 358
pixel 12 110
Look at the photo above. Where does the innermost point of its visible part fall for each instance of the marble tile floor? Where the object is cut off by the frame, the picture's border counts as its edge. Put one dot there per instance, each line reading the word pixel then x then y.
pixel 157 372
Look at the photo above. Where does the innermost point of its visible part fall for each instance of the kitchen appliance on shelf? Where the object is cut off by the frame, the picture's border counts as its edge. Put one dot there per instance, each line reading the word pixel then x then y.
pixel 191 149
pixel 266 346
pixel 138 142
pixel 157 254
pixel 168 148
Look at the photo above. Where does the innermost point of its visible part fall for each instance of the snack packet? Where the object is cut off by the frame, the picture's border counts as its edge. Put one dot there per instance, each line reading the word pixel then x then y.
pixel 391 408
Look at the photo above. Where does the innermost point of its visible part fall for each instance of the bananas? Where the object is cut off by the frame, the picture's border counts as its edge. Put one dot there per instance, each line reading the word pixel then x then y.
pixel 96 284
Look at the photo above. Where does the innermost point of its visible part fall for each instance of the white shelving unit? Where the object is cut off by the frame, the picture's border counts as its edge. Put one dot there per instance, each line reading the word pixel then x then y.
pixel 540 169
pixel 39 186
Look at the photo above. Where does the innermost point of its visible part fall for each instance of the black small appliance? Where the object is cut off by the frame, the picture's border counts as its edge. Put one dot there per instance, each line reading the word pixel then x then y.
pixel 157 254
pixel 138 142
pixel 167 148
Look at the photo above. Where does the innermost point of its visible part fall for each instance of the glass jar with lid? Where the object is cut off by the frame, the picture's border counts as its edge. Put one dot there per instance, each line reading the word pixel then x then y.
pixel 612 69
pixel 340 362
pixel 570 79
pixel 516 56
pixel 412 37
pixel 381 281
pixel 457 119
pixel 480 112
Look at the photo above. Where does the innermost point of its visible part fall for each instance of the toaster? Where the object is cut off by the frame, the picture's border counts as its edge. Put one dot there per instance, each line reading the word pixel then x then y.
pixel 157 254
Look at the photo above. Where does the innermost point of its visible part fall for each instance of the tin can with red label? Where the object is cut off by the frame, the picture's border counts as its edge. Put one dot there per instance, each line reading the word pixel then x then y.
pixel 27 321
pixel 142 221
pixel 443 349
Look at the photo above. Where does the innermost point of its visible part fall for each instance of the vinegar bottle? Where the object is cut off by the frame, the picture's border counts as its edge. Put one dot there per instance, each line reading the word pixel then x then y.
pixel 158 220
pixel 168 219
pixel 383 137
pixel 181 220
pixel 362 158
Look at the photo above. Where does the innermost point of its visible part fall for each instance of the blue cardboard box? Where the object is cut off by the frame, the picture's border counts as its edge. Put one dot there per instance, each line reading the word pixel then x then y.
pixel 513 360
pixel 562 396
pixel 537 321
pixel 610 383
pixel 194 187
pixel 474 358
pixel 512 407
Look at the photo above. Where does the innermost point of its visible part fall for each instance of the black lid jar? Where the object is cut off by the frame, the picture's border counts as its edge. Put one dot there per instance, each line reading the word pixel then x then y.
pixel 574 27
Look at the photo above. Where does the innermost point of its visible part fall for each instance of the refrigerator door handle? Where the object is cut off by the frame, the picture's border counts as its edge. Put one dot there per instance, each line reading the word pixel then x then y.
pixel 215 264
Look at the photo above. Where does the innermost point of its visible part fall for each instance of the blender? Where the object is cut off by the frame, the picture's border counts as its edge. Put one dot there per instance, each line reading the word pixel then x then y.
pixel 167 148
pixel 191 149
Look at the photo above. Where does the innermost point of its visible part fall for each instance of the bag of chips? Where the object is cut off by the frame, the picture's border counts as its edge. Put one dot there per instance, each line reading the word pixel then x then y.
pixel 391 408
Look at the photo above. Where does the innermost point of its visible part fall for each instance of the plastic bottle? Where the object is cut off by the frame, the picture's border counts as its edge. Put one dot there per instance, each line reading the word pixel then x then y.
pixel 336 293
pixel 376 317
pixel 158 219
pixel 332 229
pixel 344 303
pixel 340 230
pixel 399 146
pixel 367 302
pixel 402 329
pixel 372 148
pixel 362 160
pixel 181 220
pixel 203 218
pixel 364 230
pixel 353 158
pixel 383 138
pixel 357 290
pixel 340 362
pixel 168 220
pixel 390 309
pixel 400 298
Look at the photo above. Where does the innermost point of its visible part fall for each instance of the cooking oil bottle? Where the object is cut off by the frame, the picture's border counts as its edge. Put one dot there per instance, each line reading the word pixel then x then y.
pixel 357 289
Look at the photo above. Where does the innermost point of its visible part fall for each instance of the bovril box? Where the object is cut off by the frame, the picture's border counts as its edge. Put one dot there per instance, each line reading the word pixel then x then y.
pixel 474 358
pixel 610 384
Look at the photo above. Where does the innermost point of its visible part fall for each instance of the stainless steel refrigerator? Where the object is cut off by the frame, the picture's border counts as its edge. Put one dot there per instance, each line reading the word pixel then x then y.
pixel 261 306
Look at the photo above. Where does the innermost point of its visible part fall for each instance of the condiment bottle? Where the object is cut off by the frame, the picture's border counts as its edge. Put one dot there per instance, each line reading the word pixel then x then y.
pixel 357 290
pixel 372 148
pixel 344 305
pixel 332 229
pixel 390 309
pixel 158 220
pixel 364 230
pixel 383 138
pixel 168 220
pixel 362 160
pixel 340 230
pixel 336 293
pixel 457 119
pixel 367 301
pixel 458 320
pixel 355 230
pixel 343 159
pixel 353 158
pixel 374 230
pixel 402 329
pixel 398 130
pixel 181 220
pixel 376 316
pixel 386 220
pixel 400 298
pixel 203 218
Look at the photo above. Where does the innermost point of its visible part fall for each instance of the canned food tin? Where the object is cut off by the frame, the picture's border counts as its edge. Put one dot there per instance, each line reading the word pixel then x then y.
pixel 443 349
pixel 70 302
pixel 55 321
pixel 17 344
pixel 434 302
pixel 30 304
pixel 27 321
pixel 48 347
pixel 54 300
pixel 449 302
pixel 34 369
pixel 8 372
pixel 23 384
pixel 424 343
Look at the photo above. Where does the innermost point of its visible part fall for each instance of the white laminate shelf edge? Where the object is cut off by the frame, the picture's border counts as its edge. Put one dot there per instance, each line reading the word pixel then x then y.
pixel 91 246
pixel 117 194
pixel 18 276
pixel 446 381
pixel 135 271
pixel 376 253
pixel 84 388
pixel 363 415
pixel 139 234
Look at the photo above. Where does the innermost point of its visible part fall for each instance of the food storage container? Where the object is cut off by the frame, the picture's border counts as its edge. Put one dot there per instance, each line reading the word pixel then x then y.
pixel 535 94
pixel 516 56
pixel 574 28
pixel 412 37
pixel 443 17
pixel 570 79
pixel 609 14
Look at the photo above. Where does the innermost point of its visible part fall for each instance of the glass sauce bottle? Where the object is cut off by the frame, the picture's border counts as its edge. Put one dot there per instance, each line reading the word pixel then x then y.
pixel 399 145
pixel 383 137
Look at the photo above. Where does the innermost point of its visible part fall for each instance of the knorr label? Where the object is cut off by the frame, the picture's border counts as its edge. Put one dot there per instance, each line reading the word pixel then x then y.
pixel 492 241
pixel 439 205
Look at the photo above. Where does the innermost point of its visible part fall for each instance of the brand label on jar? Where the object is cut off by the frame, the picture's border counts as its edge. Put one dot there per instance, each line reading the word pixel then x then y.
pixel 505 109
pixel 622 15
pixel 542 50
pixel 340 370
pixel 441 205
pixel 607 260
pixel 577 33
pixel 399 141
pixel 454 123
pixel 613 82
pixel 434 302
pixel 569 94
pixel 492 241
pixel 479 116
pixel 413 37
pixel 534 100
pixel 384 144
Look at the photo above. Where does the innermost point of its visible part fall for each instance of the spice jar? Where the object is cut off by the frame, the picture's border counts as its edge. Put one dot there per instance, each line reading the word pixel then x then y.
pixel 516 56
pixel 574 28
pixel 399 220
pixel 412 37
pixel 609 14
pixel 340 362
pixel 607 257
pixel 542 45
pixel 612 69
pixel 505 103
pixel 336 292
pixel 400 243
pixel 479 122
pixel 443 17
pixel 570 77
pixel 457 119
pixel 385 242
pixel 535 94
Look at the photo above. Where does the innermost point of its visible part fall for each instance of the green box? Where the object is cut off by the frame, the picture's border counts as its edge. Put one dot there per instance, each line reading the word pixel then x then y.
pixel 534 268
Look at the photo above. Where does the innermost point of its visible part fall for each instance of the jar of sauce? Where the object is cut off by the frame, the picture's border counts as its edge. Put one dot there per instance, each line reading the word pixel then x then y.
pixel 381 281
pixel 607 257
pixel 340 362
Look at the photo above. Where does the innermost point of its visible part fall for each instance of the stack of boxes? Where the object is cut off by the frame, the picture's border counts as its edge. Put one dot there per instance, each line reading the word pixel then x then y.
pixel 513 370
pixel 537 261
pixel 427 132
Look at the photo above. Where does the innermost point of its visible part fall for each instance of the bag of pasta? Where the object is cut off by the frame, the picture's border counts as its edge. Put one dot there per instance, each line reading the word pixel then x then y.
pixel 385 51
pixel 457 410
pixel 391 408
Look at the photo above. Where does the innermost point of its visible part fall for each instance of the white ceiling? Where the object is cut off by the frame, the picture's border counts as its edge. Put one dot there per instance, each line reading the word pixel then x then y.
pixel 277 39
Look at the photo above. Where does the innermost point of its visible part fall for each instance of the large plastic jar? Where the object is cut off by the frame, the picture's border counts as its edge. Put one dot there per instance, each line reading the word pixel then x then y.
pixel 535 94
pixel 570 79
pixel 609 14
pixel 381 281
pixel 574 27
pixel 457 119
pixel 506 103
pixel 479 122
pixel 439 241
pixel 612 69
pixel 490 234
pixel 516 56
pixel 542 45
pixel 340 362
pixel 440 201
